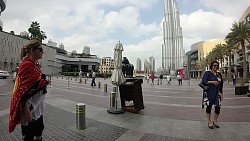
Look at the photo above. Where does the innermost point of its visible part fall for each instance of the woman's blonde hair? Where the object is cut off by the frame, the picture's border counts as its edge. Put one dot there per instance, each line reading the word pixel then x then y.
pixel 33 44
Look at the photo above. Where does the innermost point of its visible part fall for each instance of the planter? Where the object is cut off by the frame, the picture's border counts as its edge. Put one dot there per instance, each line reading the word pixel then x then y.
pixel 241 90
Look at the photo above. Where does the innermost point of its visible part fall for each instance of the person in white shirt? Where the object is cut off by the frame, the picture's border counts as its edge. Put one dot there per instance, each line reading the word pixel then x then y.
pixel 93 79
pixel 179 78
pixel 80 76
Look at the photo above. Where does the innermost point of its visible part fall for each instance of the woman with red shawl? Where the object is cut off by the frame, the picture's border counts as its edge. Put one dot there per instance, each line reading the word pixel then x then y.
pixel 27 102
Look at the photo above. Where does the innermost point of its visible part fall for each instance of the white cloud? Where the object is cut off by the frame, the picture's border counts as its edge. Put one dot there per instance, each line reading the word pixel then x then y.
pixel 201 25
pixel 229 8
pixel 99 24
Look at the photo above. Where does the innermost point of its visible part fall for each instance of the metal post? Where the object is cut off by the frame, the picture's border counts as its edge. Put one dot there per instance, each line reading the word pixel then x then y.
pixel 158 81
pixel 114 89
pixel 112 101
pixel 68 82
pixel 105 87
pixel 99 85
pixel 80 116
pixel 62 77
pixel 85 81
pixel 50 82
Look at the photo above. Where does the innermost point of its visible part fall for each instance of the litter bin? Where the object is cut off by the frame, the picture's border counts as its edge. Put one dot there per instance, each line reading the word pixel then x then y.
pixel 131 90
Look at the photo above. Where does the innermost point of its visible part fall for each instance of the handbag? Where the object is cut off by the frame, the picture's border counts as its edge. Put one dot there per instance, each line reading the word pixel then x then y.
pixel 204 87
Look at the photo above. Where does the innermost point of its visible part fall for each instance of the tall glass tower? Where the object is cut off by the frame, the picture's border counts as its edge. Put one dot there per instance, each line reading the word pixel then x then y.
pixel 172 48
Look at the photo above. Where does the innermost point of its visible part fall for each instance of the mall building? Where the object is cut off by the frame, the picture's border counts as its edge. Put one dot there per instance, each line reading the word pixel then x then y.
pixel 53 58
pixel 200 50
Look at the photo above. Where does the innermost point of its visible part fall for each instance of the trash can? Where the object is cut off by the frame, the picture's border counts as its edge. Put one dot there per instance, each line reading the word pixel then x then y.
pixel 80 116
pixel 131 90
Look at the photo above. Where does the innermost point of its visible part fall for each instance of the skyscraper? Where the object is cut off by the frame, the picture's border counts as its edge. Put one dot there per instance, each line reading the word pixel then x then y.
pixel 152 63
pixel 172 48
pixel 138 64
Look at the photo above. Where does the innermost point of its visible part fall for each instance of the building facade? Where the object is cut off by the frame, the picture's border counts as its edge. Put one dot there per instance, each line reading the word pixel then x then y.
pixel 152 63
pixel 138 64
pixel 106 65
pixel 172 48
pixel 54 58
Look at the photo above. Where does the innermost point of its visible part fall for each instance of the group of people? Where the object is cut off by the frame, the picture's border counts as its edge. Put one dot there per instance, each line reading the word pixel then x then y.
pixel 152 77
pixel 93 75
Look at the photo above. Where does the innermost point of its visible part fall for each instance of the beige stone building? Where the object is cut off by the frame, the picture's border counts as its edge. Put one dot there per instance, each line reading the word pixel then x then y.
pixel 106 65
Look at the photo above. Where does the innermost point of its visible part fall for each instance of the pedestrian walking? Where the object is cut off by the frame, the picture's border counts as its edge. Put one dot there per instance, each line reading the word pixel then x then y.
pixel 234 79
pixel 168 79
pixel 93 78
pixel 87 75
pixel 161 77
pixel 80 76
pixel 214 81
pixel 179 79
pixel 152 76
pixel 27 102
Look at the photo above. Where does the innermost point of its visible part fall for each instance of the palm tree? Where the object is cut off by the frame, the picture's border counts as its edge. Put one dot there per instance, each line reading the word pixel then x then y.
pixel 35 32
pixel 230 47
pixel 240 32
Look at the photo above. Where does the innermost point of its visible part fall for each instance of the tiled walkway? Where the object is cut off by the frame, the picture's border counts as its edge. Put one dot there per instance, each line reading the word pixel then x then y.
pixel 171 113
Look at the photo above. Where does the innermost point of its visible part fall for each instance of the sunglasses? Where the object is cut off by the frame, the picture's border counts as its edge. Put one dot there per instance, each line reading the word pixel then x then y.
pixel 40 49
pixel 216 65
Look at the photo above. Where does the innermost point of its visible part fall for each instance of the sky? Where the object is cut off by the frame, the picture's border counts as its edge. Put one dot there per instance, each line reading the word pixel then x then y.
pixel 137 24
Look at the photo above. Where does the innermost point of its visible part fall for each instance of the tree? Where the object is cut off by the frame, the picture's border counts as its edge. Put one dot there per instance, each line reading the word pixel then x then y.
pixel 230 47
pixel 240 32
pixel 35 32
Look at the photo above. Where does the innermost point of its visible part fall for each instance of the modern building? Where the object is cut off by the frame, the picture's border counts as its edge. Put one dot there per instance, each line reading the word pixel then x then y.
pixel 152 63
pixel 146 67
pixel 51 43
pixel 198 53
pixel 138 64
pixel 172 48
pixel 237 63
pixel 2 8
pixel 86 50
pixel 54 58
pixel 106 65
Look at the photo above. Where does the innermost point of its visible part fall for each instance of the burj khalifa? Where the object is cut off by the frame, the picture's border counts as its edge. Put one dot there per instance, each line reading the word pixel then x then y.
pixel 172 48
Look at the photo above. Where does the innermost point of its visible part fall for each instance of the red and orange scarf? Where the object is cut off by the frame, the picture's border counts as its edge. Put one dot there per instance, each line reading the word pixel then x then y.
pixel 28 82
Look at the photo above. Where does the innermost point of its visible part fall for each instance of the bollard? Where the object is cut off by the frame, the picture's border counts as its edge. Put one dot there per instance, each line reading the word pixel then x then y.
pixel 62 77
pixel 99 85
pixel 68 82
pixel 105 87
pixel 158 82
pixel 112 99
pixel 85 81
pixel 57 77
pixel 80 116
pixel 50 82
pixel 71 78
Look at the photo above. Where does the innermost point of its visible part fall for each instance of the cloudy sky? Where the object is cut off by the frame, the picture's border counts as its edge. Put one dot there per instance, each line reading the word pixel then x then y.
pixel 100 24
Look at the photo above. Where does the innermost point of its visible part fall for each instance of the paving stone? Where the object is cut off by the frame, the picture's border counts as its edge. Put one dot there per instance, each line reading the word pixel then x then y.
pixel 60 126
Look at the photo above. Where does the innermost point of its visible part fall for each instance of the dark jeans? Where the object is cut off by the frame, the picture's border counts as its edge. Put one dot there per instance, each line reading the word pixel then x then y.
pixel 34 128
pixel 180 82
pixel 234 81
pixel 93 82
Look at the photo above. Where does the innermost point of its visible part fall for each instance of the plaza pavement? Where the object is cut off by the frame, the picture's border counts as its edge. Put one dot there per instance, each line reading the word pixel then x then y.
pixel 171 112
